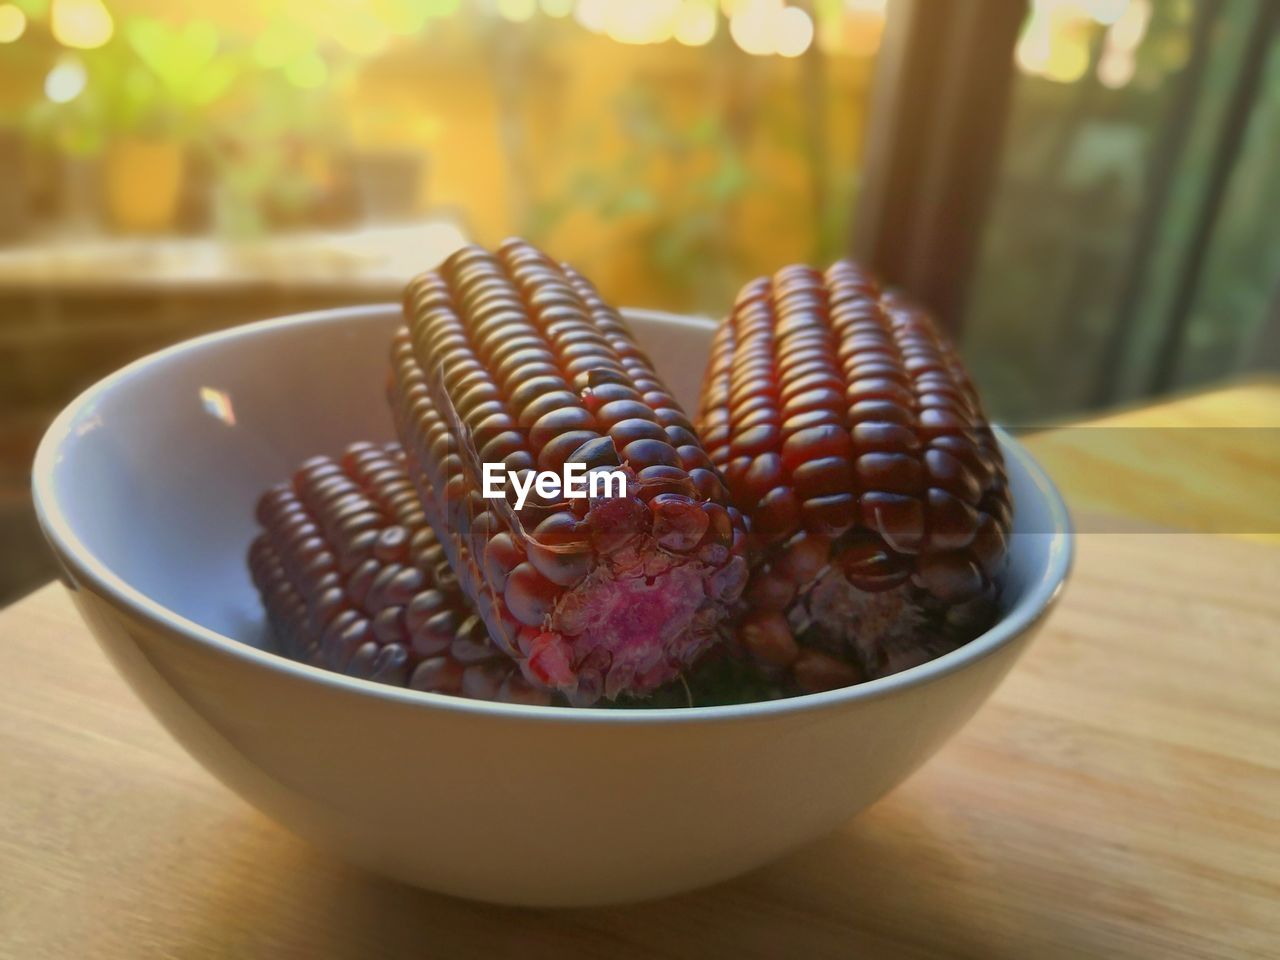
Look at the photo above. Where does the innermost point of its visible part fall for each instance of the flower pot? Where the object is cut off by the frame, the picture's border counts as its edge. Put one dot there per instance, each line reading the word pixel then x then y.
pixel 142 184
pixel 389 184
pixel 13 186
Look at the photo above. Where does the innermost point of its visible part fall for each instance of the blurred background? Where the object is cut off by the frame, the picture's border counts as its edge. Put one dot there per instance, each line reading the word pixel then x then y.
pixel 1085 190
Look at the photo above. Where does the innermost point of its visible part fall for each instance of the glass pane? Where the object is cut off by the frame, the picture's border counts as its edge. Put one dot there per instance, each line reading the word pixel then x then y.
pixel 1116 122
pixel 671 148
pixel 172 166
pixel 1237 297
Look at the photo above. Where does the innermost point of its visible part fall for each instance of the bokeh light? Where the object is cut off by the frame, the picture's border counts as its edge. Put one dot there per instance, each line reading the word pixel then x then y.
pixel 764 27
pixel 1068 60
pixel 1106 12
pixel 1116 69
pixel 794 31
pixel 556 8
pixel 66 80
pixel 1129 29
pixel 1057 36
pixel 85 24
pixel 517 11
pixel 641 23
pixel 1119 60
pixel 593 15
pixel 695 23
pixel 752 26
pixel 13 23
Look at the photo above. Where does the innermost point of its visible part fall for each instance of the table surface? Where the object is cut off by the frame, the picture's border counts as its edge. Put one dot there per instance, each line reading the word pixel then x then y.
pixel 1119 796
pixel 378 259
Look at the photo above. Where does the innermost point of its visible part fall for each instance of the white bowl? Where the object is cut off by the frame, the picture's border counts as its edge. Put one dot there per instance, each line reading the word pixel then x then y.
pixel 145 488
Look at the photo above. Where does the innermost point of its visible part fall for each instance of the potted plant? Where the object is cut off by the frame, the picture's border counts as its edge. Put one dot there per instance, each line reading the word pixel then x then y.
pixel 273 152
pixel 144 104
pixel 176 74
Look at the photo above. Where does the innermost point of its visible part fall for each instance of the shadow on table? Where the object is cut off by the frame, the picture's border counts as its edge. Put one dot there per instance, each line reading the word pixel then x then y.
pixel 885 885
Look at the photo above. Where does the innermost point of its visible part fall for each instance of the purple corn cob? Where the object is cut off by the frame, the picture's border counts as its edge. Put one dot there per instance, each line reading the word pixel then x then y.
pixel 850 435
pixel 510 358
pixel 354 580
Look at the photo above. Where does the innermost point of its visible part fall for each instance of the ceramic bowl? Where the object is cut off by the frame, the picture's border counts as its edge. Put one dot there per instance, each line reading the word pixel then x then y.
pixel 145 488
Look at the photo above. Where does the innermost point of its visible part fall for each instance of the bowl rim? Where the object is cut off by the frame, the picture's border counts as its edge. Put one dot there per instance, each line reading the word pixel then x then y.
pixel 87 570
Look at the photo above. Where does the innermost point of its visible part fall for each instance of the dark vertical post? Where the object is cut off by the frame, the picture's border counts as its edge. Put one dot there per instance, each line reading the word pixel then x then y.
pixel 1264 351
pixel 1165 156
pixel 938 111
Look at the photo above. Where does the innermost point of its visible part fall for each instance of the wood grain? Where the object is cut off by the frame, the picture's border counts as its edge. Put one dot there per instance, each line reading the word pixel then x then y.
pixel 1118 797
pixel 1208 462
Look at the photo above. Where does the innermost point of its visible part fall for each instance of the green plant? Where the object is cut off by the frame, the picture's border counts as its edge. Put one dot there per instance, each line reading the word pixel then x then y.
pixel 686 232
pixel 154 80
pixel 179 73
pixel 248 108
pixel 257 149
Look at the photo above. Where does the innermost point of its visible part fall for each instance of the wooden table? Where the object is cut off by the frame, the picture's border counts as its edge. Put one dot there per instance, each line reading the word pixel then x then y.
pixel 378 260
pixel 1118 797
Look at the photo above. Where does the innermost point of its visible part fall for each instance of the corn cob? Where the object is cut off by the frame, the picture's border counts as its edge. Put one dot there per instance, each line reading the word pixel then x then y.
pixel 511 358
pixel 354 580
pixel 848 432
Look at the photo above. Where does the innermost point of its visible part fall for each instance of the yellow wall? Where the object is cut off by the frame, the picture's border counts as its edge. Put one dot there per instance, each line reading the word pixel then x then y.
pixel 508 117
pixel 564 111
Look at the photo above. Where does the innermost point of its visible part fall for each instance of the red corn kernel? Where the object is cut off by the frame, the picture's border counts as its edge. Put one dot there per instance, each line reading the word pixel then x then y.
pixel 606 596
pixel 392 613
pixel 837 411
